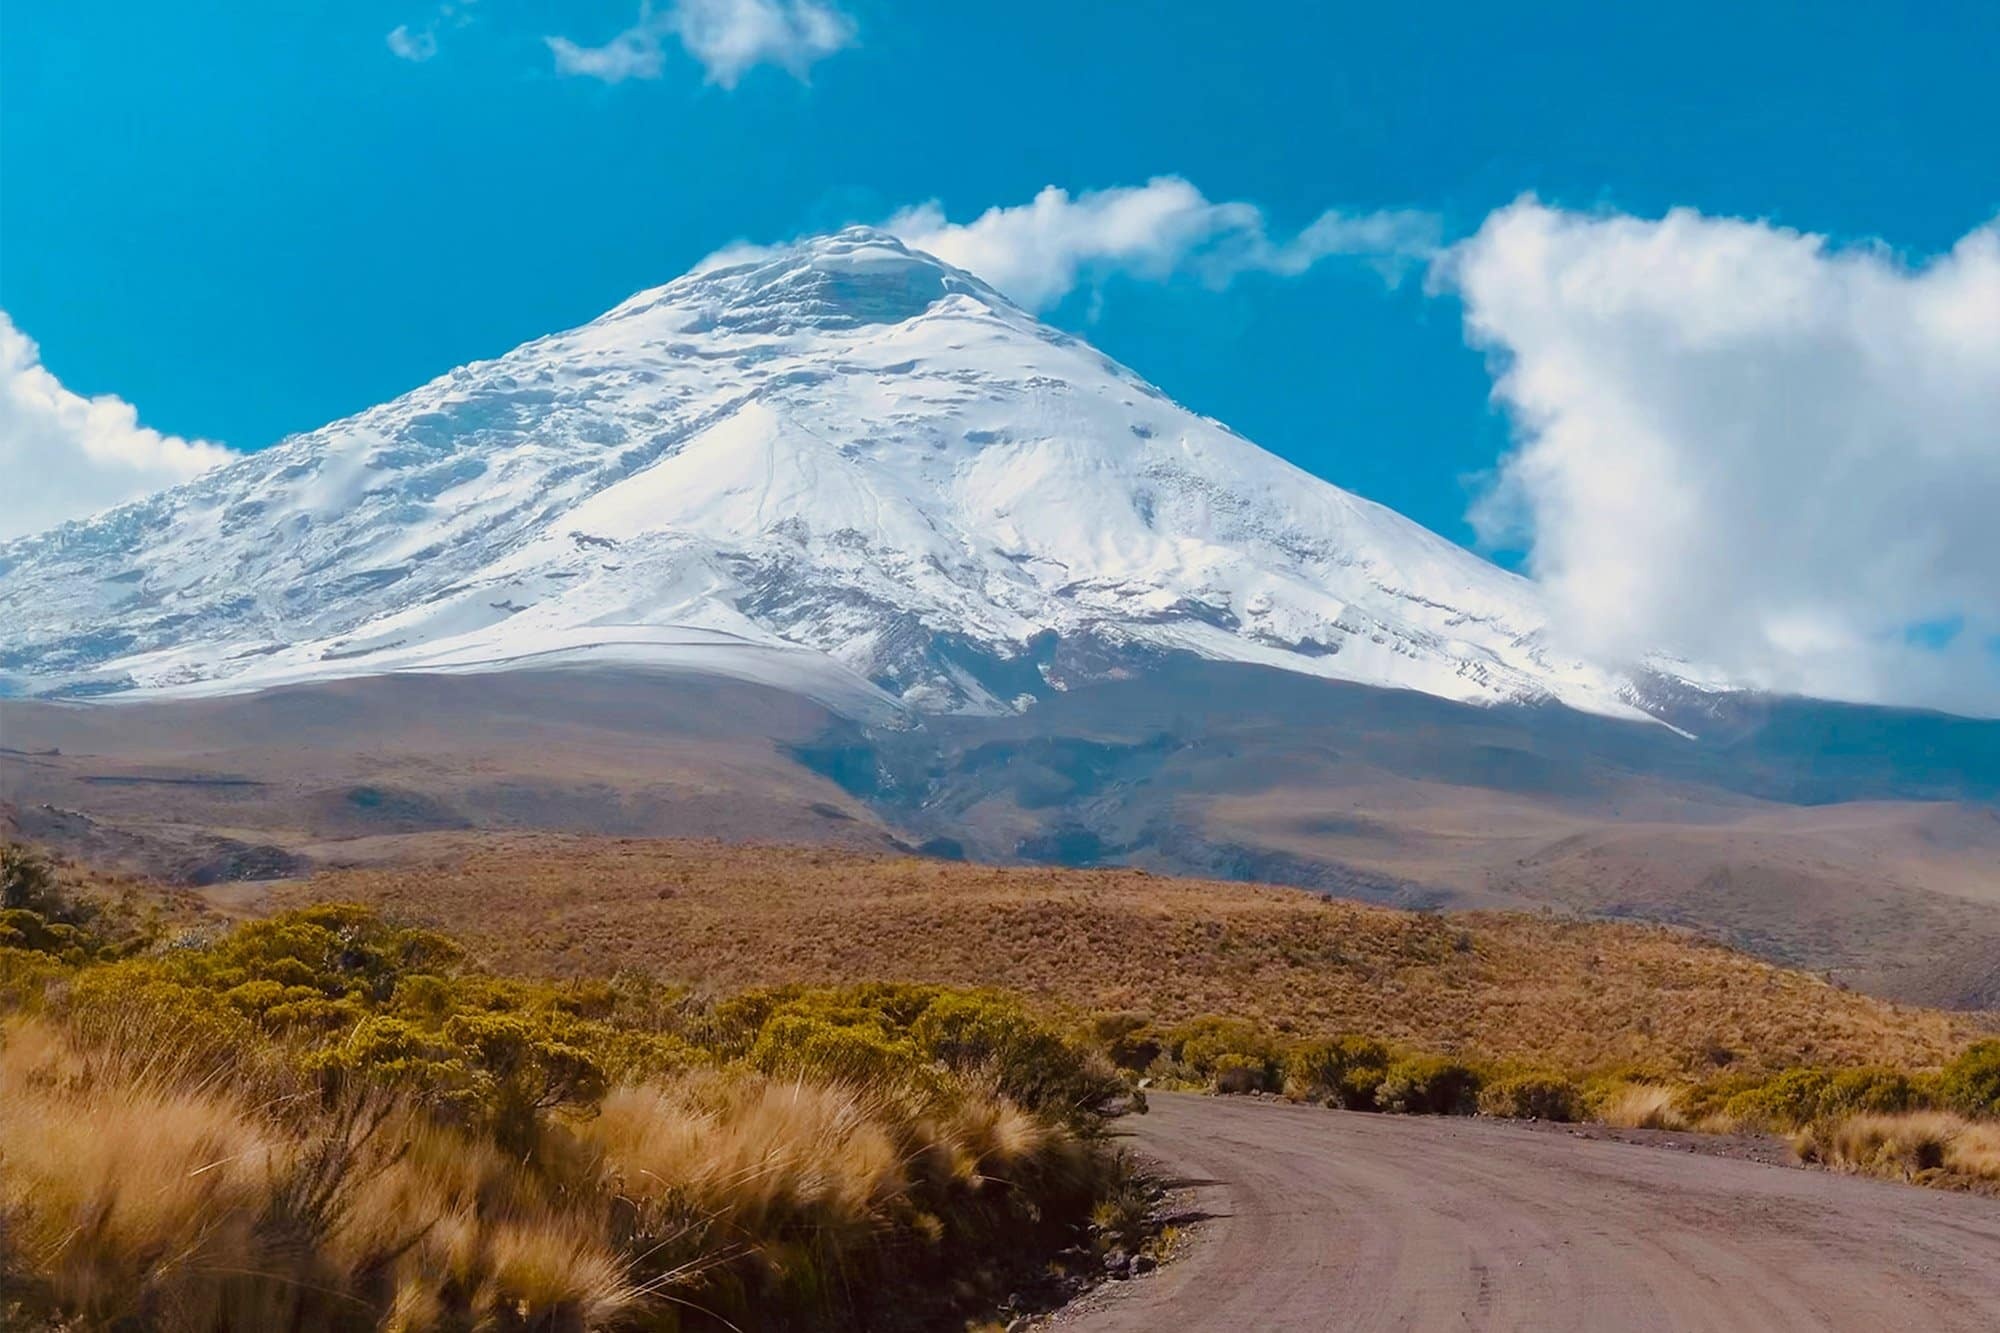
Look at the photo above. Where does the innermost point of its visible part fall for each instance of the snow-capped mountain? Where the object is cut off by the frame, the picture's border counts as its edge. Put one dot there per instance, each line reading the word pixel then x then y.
pixel 845 467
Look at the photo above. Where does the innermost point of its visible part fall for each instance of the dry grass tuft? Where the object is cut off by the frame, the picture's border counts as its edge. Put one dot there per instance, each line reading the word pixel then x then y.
pixel 751 1154
pixel 127 1197
pixel 1642 1106
pixel 1928 1147
pixel 562 1266
pixel 175 1203
pixel 164 1199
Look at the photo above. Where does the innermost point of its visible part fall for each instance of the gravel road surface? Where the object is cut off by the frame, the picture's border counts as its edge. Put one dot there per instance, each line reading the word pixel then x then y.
pixel 1324 1219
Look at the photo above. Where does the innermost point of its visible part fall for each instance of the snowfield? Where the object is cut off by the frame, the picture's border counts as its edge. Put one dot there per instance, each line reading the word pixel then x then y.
pixel 849 470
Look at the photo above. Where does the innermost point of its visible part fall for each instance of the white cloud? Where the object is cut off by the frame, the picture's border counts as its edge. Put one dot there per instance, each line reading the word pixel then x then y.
pixel 632 54
pixel 728 37
pixel 420 44
pixel 65 456
pixel 1768 452
pixel 1038 252
pixel 413 46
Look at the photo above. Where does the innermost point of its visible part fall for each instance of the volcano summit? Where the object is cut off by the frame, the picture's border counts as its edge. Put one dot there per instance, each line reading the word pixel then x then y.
pixel 843 467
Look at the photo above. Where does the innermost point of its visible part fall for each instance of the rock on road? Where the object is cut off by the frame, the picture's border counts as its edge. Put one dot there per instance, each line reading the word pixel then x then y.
pixel 1333 1220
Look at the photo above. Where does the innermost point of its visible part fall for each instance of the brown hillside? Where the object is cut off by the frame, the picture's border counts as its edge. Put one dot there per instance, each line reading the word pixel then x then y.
pixel 1507 985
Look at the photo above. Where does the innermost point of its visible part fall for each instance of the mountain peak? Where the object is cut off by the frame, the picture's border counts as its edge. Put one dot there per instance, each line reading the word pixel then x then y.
pixel 859 235
pixel 841 464
pixel 850 278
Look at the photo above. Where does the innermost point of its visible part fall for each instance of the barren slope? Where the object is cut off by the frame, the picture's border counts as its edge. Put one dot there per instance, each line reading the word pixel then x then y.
pixel 251 786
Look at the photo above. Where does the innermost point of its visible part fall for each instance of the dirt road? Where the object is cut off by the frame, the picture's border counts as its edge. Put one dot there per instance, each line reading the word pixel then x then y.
pixel 1332 1220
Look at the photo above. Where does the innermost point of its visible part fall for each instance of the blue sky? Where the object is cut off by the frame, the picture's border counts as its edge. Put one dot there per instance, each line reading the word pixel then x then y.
pixel 246 220
pixel 250 219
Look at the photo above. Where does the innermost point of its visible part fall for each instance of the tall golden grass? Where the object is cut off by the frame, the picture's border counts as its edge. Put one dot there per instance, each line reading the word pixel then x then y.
pixel 1928 1147
pixel 142 1193
pixel 325 1121
pixel 1642 1106
pixel 146 1193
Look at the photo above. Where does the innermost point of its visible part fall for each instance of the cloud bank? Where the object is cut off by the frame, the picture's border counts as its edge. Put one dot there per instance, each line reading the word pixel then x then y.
pixel 1038 252
pixel 728 38
pixel 1776 455
pixel 66 456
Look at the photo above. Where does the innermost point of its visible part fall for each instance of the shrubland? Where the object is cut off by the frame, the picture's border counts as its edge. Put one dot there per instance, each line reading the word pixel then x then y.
pixel 331 1117
pixel 330 1120
pixel 1531 989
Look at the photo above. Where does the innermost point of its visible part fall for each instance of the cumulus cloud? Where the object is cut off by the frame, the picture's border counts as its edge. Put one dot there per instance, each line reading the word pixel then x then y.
pixel 416 46
pixel 1773 454
pixel 1039 251
pixel 65 456
pixel 728 38
pixel 632 54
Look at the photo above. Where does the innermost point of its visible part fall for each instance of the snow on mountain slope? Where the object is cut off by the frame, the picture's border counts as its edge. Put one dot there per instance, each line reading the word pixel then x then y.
pixel 845 467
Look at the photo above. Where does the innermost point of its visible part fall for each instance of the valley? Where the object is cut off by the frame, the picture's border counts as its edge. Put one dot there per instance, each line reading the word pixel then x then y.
pixel 1858 843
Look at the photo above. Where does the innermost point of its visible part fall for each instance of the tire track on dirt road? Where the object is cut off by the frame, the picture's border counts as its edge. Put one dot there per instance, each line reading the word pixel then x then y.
pixel 1324 1219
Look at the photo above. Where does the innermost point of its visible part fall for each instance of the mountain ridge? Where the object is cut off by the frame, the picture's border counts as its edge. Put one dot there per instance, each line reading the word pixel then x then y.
pixel 842 467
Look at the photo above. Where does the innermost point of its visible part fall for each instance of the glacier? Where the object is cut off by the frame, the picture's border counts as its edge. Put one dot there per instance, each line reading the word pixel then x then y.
pixel 841 467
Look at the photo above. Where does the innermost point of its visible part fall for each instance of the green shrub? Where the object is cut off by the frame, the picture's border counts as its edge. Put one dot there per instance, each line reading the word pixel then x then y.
pixel 631 1055
pixel 1234 1072
pixel 30 931
pixel 1343 1070
pixel 1130 1040
pixel 1207 1049
pixel 1429 1085
pixel 140 1005
pixel 860 1053
pixel 1532 1097
pixel 1791 1098
pixel 527 1063
pixel 1795 1097
pixel 1970 1084
pixel 39 915
pixel 1879 1092
pixel 916 1034
pixel 26 976
pixel 398 1053
pixel 337 949
pixel 1028 1061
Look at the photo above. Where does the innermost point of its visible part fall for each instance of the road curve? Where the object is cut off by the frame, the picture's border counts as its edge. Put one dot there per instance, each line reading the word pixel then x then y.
pixel 1332 1220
